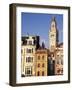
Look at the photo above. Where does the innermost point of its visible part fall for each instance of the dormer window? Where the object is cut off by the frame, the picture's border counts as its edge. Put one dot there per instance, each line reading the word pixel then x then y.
pixel 30 42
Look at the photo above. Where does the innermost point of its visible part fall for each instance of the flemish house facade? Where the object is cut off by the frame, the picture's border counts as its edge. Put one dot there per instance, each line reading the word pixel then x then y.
pixel 41 62
pixel 29 46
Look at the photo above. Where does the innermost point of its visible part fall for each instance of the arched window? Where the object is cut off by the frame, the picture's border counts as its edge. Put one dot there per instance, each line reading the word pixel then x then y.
pixel 43 57
pixel 43 65
pixel 42 73
pixel 38 73
pixel 61 61
pixel 38 57
pixel 38 64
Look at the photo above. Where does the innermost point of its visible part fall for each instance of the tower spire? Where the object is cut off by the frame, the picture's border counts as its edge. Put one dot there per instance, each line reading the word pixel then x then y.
pixel 53 23
pixel 53 34
pixel 53 18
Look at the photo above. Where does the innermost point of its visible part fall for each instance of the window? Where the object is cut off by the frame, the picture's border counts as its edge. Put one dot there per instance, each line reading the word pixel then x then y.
pixel 28 71
pixel 38 73
pixel 29 50
pixel 43 65
pixel 26 59
pixel 25 42
pixel 57 61
pixel 32 59
pixel 32 50
pixel 29 59
pixel 30 42
pixel 62 70
pixel 42 73
pixel 52 35
pixel 43 57
pixel 58 71
pixel 38 57
pixel 61 61
pixel 57 55
pixel 38 64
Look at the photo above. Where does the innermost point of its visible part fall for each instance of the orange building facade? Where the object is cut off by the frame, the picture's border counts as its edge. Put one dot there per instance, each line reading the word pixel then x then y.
pixel 41 62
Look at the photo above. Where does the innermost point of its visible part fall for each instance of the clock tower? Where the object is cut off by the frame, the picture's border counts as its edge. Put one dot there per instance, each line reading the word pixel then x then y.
pixel 53 35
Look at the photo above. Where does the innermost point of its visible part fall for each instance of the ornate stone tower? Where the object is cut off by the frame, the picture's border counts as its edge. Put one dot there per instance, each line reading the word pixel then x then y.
pixel 53 35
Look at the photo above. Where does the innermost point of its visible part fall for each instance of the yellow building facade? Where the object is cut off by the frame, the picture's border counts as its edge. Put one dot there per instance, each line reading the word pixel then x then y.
pixel 41 62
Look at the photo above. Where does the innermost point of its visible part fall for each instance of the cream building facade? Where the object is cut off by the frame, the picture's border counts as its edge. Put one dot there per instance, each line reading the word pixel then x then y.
pixel 29 46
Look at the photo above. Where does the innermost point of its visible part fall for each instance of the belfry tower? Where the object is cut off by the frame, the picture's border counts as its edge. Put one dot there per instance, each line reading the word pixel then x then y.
pixel 53 35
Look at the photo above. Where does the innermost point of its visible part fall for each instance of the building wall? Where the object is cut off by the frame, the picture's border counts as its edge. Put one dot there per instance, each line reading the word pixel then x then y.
pixel 59 61
pixel 28 56
pixel 41 63
pixel 28 63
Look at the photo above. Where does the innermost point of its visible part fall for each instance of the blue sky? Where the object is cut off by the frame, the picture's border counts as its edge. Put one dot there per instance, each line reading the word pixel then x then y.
pixel 39 24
